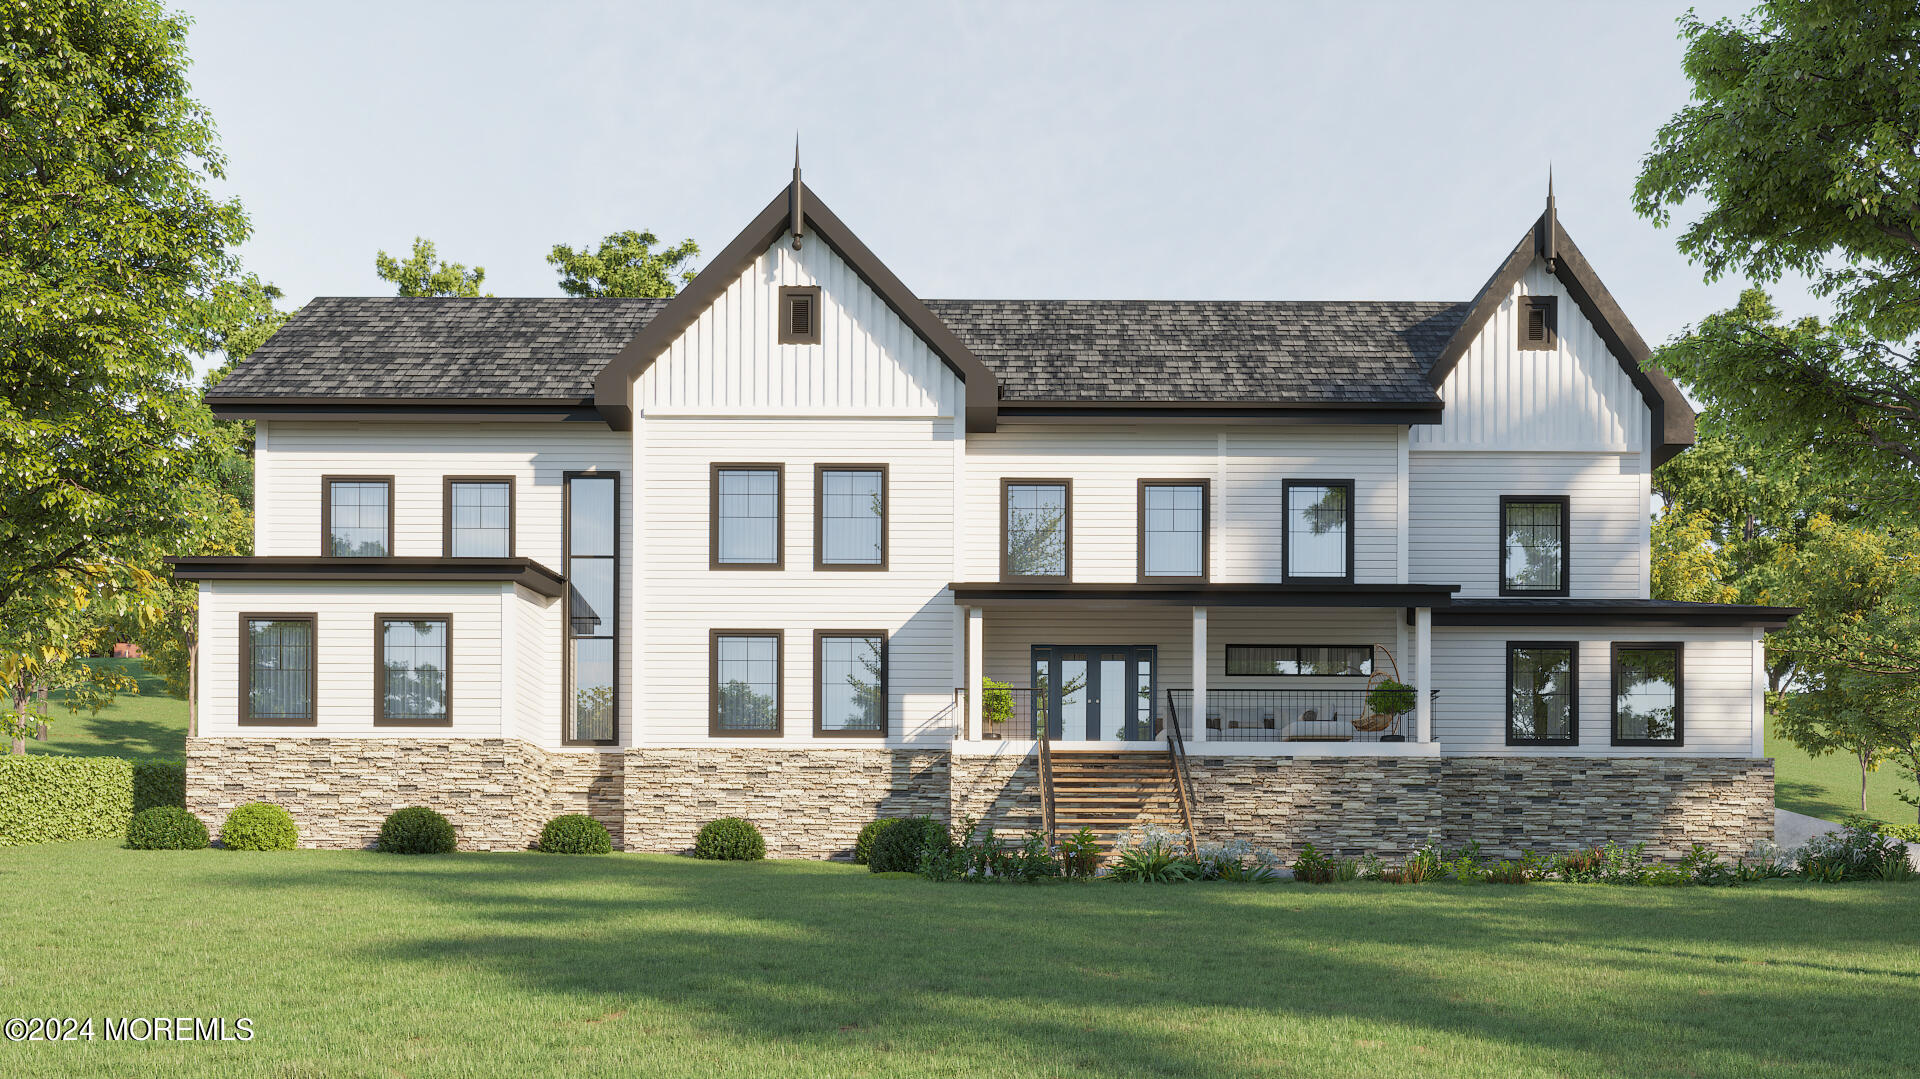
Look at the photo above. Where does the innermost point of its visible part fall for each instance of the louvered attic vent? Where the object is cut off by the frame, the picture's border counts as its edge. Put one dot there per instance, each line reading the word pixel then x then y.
pixel 799 315
pixel 1539 323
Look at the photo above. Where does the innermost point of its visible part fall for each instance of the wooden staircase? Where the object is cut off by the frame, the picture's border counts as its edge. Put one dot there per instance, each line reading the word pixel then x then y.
pixel 1112 793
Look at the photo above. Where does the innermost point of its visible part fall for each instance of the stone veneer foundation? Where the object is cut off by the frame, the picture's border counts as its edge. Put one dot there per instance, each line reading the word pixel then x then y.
pixel 812 802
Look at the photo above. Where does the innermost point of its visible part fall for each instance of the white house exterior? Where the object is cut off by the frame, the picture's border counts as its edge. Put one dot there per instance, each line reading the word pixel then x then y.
pixel 755 550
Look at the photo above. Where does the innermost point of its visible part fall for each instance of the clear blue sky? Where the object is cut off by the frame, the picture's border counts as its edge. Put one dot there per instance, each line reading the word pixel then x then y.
pixel 1392 151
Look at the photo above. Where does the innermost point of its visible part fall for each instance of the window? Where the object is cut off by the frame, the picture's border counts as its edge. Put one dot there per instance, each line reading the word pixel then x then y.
pixel 850 517
pixel 748 517
pixel 277 672
pixel 799 315
pixel 1318 541
pixel 1533 545
pixel 1173 530
pixel 479 516
pixel 1543 706
pixel 1647 695
pixel 850 683
pixel 356 516
pixel 412 670
pixel 1539 323
pixel 592 615
pixel 1038 533
pixel 1299 659
pixel 745 683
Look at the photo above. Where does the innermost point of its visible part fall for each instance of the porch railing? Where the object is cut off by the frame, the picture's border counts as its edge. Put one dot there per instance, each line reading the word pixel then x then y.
pixel 1289 715
pixel 1021 712
pixel 1182 784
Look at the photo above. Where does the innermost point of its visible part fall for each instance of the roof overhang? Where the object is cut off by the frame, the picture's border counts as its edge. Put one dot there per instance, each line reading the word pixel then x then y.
pixel 1600 612
pixel 321 570
pixel 1220 412
pixel 410 409
pixel 1332 594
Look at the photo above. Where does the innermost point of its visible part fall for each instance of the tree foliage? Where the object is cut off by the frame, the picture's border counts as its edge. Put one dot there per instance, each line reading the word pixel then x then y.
pixel 624 264
pixel 422 273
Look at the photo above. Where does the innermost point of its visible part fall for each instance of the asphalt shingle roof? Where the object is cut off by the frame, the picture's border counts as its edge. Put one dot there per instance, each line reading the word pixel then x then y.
pixel 370 348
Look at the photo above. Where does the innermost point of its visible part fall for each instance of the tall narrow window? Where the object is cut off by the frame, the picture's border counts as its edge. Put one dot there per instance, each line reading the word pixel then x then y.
pixel 745 687
pixel 412 670
pixel 1533 545
pixel 277 671
pixel 356 516
pixel 1319 530
pixel 592 614
pixel 1038 529
pixel 850 516
pixel 1647 695
pixel 1543 703
pixel 479 521
pixel 850 682
pixel 747 517
pixel 1173 530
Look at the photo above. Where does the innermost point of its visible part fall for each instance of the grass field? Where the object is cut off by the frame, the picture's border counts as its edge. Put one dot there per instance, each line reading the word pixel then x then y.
pixel 1829 786
pixel 360 964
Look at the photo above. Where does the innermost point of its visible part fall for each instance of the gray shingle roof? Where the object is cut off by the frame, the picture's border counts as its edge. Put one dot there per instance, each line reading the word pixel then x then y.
pixel 371 348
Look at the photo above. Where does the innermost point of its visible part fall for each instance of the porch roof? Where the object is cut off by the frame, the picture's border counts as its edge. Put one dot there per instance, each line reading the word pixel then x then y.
pixel 521 571
pixel 1557 611
pixel 1187 594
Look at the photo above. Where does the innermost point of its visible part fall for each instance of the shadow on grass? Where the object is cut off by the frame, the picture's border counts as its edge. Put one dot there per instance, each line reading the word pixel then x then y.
pixel 115 737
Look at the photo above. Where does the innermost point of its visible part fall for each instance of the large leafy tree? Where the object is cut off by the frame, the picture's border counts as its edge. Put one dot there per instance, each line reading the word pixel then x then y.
pixel 625 264
pixel 423 273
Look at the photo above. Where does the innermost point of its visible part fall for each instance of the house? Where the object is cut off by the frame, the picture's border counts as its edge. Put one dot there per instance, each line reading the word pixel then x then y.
pixel 800 546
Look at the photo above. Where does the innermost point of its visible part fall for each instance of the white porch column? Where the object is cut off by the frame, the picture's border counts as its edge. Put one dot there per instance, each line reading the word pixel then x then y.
pixel 1423 672
pixel 1199 674
pixel 976 671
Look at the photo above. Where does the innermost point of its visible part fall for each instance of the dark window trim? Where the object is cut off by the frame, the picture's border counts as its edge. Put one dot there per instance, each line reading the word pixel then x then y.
pixel 1226 661
pixel 1572 649
pixel 243 706
pixel 1006 536
pixel 820 521
pixel 820 686
pixel 326 511
pixel 787 336
pixel 1566 544
pixel 446 510
pixel 566 620
pixel 780 514
pixel 1286 527
pixel 1679 692
pixel 1549 304
pixel 779 683
pixel 1206 531
pixel 380 718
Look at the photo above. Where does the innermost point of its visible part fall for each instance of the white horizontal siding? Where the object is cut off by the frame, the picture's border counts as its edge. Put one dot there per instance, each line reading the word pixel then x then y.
pixel 1454 535
pixel 1470 670
pixel 536 709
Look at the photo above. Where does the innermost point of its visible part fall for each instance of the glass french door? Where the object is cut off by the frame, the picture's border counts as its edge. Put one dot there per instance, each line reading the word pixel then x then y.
pixel 1095 694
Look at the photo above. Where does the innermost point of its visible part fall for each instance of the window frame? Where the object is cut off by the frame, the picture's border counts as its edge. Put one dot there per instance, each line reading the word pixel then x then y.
pixel 779 515
pixel 1551 305
pixel 1226 661
pixel 1679 691
pixel 566 616
pixel 446 512
pixel 1286 529
pixel 787 336
pixel 714 730
pixel 1572 648
pixel 820 686
pixel 326 511
pixel 243 707
pixel 380 717
pixel 1006 535
pixel 820 564
pixel 1206 532
pixel 1565 502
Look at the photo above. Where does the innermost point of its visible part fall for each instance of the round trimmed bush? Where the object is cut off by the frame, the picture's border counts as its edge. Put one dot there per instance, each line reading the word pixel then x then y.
pixel 575 833
pixel 259 826
pixel 898 848
pixel 416 830
pixel 730 839
pixel 166 828
pixel 863 846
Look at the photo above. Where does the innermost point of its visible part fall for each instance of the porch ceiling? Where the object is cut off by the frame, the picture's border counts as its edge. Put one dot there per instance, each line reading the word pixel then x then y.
pixel 1118 594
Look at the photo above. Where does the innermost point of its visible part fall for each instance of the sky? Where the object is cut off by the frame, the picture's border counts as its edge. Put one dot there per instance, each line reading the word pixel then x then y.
pixel 1114 150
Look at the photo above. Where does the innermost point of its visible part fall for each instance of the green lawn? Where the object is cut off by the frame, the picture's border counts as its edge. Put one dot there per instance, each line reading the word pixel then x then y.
pixel 354 964
pixel 144 726
pixel 1829 786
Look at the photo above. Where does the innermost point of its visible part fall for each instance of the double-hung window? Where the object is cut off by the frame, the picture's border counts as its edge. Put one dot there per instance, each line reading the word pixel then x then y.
pixel 1318 538
pixel 593 610
pixel 1173 530
pixel 479 522
pixel 1647 695
pixel 1036 529
pixel 746 515
pixel 745 698
pixel 356 516
pixel 850 683
pixel 413 670
pixel 1543 696
pixel 277 670
pixel 1533 545
pixel 850 517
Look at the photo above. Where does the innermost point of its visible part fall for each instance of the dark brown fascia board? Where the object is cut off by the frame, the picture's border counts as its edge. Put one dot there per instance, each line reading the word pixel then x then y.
pixel 409 409
pixel 999 594
pixel 1221 412
pixel 1672 415
pixel 613 387
pixel 1602 613
pixel 521 571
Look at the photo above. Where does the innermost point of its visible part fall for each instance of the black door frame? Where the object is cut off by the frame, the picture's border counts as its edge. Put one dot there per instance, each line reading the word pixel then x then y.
pixel 1134 726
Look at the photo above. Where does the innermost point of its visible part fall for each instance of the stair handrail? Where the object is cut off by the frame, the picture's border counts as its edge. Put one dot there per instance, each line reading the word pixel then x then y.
pixel 1182 781
pixel 1046 786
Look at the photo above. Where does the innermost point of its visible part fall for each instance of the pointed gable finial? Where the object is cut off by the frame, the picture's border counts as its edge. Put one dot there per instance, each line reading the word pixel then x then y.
pixel 1552 224
pixel 796 212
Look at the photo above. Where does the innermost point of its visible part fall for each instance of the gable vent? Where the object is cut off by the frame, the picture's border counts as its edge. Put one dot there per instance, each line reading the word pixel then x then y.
pixel 799 315
pixel 1539 325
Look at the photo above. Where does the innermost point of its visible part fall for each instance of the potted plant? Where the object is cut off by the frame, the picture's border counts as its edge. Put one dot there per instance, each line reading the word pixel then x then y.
pixel 1392 700
pixel 996 707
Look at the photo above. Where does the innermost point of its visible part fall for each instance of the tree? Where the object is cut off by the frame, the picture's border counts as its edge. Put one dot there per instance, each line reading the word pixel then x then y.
pixel 423 274
pixel 624 265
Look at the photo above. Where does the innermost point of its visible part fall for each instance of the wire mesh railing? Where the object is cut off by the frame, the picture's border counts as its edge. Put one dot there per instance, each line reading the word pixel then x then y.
pixel 1289 715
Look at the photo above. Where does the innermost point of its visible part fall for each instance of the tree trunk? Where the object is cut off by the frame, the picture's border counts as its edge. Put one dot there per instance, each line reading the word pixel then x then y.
pixel 193 685
pixel 1863 783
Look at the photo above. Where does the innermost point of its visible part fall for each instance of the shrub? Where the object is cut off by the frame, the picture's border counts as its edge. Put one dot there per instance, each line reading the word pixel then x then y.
pixel 990 859
pixel 166 828
pixel 55 799
pixel 259 826
pixel 1080 853
pixel 730 839
pixel 899 848
pixel 1506 872
pixel 1155 858
pixel 996 705
pixel 863 846
pixel 1312 867
pixel 1856 852
pixel 159 783
pixel 416 830
pixel 575 833
pixel 1390 698
pixel 1238 861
